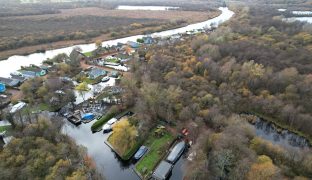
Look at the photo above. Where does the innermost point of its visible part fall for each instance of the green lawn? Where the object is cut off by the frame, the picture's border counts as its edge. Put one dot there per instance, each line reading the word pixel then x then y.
pixel 88 54
pixel 5 128
pixel 112 60
pixel 157 149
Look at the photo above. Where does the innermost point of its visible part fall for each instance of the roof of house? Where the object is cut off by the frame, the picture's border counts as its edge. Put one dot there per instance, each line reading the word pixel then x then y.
pixel 28 73
pixel 96 72
pixel 20 78
pixel 9 81
pixel 133 44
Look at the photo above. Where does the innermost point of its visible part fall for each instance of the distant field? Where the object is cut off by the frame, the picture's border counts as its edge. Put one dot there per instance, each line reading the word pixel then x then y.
pixel 94 11
pixel 28 33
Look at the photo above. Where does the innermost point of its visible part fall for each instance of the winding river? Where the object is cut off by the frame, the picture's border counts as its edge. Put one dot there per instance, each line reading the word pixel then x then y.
pixel 106 161
pixel 14 63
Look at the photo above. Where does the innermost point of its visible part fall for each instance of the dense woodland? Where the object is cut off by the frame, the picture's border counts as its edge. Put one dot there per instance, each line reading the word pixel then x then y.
pixel 255 63
pixel 41 151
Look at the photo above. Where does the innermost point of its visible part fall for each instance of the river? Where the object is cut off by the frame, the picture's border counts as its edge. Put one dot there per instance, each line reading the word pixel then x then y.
pixel 106 161
pixel 281 137
pixel 15 62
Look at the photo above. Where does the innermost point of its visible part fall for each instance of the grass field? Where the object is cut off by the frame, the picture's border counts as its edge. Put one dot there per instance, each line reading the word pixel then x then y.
pixel 157 149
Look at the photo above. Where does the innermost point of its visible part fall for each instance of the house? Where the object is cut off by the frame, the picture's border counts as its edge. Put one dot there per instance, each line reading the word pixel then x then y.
pixel 96 72
pixel 133 44
pixel 10 82
pixel 148 40
pixel 2 88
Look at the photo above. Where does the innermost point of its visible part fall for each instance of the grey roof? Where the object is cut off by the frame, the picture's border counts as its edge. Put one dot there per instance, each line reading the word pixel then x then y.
pixel 20 78
pixel 176 151
pixel 162 171
pixel 133 44
pixel 28 73
pixel 96 72
pixel 9 81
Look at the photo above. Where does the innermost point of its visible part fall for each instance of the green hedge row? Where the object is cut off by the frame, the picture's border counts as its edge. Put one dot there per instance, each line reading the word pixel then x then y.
pixel 99 123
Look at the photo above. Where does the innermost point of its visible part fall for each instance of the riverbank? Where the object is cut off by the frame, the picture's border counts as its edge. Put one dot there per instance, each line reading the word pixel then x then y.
pixel 283 126
pixel 104 37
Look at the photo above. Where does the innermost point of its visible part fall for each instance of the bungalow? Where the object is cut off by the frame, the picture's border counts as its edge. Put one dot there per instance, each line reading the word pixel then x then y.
pixel 96 72
pixel 9 82
pixel 133 44
pixel 2 88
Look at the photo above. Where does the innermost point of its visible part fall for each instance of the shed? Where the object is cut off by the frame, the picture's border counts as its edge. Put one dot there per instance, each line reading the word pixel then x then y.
pixel 2 88
pixel 162 171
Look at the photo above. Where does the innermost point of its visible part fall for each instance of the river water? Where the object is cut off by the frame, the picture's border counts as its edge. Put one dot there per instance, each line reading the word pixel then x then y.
pixel 282 137
pixel 106 161
pixel 14 63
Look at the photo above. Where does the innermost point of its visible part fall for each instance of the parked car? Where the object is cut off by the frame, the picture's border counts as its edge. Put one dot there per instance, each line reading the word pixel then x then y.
pixel 140 152
pixel 108 126
pixel 105 79
pixel 176 152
